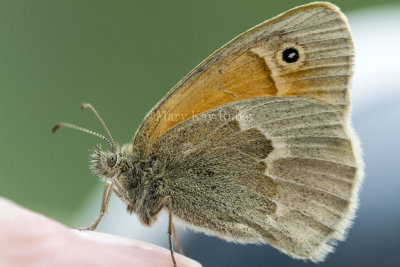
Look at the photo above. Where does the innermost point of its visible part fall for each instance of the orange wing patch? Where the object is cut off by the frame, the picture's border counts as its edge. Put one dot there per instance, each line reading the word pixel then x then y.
pixel 246 76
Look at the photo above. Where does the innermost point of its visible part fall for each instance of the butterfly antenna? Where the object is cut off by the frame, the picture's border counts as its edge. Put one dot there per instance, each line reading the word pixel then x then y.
pixel 89 106
pixel 69 125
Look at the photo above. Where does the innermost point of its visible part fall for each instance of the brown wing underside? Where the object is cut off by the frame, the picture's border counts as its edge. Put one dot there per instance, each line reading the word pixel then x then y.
pixel 277 170
pixel 251 65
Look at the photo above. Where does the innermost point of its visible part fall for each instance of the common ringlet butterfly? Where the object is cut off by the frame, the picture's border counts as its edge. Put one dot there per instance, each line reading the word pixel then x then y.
pixel 254 145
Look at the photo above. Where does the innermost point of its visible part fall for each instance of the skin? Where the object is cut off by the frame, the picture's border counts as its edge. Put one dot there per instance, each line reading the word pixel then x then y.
pixel 31 239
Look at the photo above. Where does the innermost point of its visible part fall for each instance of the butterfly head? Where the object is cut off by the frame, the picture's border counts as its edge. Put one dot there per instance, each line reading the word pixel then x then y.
pixel 105 164
pixel 111 163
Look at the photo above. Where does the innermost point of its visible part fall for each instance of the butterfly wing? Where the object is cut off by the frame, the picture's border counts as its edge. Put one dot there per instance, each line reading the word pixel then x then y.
pixel 251 65
pixel 253 148
pixel 277 170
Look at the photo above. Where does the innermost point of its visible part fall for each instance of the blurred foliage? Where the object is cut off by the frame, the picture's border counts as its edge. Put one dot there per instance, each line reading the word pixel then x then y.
pixel 122 56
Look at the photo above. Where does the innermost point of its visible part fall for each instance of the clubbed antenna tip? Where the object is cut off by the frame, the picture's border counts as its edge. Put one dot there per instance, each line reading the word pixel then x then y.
pixel 56 127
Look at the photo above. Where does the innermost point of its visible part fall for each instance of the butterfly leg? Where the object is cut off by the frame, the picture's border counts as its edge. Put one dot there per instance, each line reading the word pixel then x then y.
pixel 170 227
pixel 166 202
pixel 104 205
pixel 117 191
pixel 177 245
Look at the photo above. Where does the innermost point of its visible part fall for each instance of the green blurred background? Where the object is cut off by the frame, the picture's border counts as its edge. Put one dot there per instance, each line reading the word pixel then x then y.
pixel 121 56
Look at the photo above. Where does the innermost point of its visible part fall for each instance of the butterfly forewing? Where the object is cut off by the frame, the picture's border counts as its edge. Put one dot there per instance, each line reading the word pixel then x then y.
pixel 251 65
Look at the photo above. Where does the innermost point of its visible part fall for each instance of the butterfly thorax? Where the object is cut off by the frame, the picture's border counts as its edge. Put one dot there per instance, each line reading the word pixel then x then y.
pixel 134 181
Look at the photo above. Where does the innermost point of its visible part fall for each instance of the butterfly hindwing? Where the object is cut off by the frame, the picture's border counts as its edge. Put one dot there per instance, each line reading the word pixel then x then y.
pixel 256 176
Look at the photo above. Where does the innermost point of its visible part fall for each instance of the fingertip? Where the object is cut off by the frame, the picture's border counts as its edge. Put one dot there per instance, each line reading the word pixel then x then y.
pixel 148 253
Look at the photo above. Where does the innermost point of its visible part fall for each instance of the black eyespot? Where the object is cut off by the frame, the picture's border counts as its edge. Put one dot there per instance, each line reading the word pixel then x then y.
pixel 290 55
pixel 112 160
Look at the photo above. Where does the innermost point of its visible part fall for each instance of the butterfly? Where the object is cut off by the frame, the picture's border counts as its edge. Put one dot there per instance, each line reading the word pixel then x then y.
pixel 255 145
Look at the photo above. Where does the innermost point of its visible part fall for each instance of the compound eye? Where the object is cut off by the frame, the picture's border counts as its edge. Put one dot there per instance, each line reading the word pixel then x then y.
pixel 112 160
